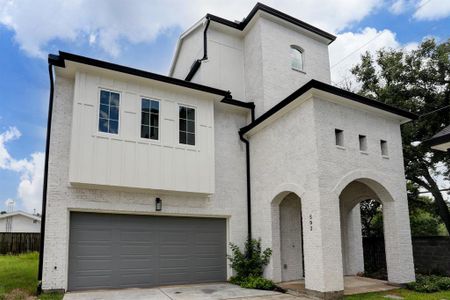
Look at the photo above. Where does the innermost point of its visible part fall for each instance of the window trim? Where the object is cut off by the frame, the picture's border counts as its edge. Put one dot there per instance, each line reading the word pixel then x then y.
pixel 149 140
pixel 108 134
pixel 302 52
pixel 178 125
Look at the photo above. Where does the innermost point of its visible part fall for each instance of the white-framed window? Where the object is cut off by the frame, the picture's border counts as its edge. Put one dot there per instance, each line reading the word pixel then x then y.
pixel 186 125
pixel 109 111
pixel 297 59
pixel 149 119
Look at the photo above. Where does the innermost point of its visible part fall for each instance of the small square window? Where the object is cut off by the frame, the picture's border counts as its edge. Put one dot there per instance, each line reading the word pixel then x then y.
pixel 362 143
pixel 339 137
pixel 384 148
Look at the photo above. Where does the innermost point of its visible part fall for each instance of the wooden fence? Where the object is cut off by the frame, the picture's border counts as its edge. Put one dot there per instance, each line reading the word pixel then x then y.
pixel 15 243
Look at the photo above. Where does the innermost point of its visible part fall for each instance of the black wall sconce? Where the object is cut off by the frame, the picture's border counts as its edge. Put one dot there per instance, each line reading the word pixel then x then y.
pixel 158 204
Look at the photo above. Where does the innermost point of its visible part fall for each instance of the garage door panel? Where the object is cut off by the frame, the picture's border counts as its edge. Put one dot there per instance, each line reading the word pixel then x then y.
pixel 116 251
pixel 92 234
pixel 137 249
pixel 86 250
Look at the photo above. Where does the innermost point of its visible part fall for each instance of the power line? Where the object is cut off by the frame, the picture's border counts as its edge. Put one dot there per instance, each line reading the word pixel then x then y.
pixel 371 40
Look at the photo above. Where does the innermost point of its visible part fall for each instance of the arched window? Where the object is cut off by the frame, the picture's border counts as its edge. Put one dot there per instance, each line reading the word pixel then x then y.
pixel 296 58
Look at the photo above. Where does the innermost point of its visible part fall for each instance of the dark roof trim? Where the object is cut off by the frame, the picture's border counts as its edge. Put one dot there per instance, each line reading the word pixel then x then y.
pixel 259 6
pixel 59 61
pixel 314 84
pixel 438 139
pixel 249 105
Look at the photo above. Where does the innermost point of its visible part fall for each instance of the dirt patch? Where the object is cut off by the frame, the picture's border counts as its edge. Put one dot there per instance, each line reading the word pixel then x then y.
pixel 18 294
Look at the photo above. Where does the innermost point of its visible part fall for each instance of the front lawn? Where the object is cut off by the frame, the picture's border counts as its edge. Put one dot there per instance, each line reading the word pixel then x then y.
pixel 405 294
pixel 18 277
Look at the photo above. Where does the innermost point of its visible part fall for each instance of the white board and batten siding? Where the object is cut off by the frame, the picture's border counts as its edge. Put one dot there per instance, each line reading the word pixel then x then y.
pixel 127 160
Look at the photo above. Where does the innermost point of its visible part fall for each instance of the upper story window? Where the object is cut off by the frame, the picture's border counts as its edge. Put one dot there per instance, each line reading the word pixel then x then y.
pixel 339 137
pixel 362 143
pixel 149 119
pixel 187 125
pixel 384 148
pixel 109 112
pixel 297 58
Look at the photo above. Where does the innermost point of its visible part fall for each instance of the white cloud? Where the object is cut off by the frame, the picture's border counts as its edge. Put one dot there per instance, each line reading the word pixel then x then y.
pixel 398 7
pixel 432 9
pixel 31 172
pixel 135 21
pixel 346 51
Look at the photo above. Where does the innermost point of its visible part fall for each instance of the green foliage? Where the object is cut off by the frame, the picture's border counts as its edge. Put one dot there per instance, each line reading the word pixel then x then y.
pixel 252 261
pixel 18 277
pixel 371 214
pixel 430 284
pixel 417 81
pixel 259 283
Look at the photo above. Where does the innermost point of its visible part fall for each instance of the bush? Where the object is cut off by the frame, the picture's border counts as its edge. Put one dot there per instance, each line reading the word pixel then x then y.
pixel 252 261
pixel 249 265
pixel 259 283
pixel 430 284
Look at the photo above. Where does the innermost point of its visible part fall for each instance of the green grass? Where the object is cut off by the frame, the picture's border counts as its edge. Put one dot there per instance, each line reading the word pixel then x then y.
pixel 406 294
pixel 18 277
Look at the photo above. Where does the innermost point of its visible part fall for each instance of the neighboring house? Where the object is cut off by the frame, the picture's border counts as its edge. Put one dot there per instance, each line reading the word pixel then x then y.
pixel 19 221
pixel 149 177
pixel 441 140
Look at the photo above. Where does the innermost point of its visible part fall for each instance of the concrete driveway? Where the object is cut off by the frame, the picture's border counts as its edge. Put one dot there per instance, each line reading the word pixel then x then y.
pixel 215 291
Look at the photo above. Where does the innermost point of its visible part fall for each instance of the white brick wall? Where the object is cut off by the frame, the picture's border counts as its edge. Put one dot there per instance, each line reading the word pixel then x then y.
pixel 298 150
pixel 228 201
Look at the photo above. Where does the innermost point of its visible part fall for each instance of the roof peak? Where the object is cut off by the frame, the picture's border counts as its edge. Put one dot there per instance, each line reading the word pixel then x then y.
pixel 274 12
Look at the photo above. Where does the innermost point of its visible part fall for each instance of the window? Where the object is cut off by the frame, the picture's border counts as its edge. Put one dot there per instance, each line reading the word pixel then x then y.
pixel 339 135
pixel 109 112
pixel 362 143
pixel 187 125
pixel 297 58
pixel 149 119
pixel 384 148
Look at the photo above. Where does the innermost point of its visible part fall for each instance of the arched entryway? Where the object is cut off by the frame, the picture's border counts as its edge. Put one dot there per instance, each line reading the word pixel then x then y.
pixel 350 199
pixel 288 240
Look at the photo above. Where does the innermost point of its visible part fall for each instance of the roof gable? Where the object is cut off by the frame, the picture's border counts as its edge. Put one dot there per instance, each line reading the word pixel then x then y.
pixel 323 87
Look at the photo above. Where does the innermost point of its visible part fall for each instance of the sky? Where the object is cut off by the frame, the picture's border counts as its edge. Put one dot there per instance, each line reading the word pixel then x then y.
pixel 143 34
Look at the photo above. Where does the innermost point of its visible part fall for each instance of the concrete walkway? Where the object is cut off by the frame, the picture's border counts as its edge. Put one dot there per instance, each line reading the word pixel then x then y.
pixel 218 291
pixel 352 285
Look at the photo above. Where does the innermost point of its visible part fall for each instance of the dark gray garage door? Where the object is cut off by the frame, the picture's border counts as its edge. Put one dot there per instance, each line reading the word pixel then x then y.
pixel 117 251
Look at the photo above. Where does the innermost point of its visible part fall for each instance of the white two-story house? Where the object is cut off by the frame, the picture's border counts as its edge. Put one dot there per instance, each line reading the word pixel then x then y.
pixel 150 177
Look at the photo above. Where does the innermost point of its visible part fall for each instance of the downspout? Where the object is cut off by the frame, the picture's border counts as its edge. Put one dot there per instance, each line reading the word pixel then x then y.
pixel 196 65
pixel 249 191
pixel 45 180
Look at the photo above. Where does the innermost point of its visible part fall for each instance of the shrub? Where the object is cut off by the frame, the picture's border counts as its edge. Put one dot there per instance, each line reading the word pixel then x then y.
pixel 259 283
pixel 252 261
pixel 430 284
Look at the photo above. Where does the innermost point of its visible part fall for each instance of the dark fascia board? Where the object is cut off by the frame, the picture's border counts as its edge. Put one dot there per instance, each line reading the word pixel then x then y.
pixel 259 6
pixel 434 141
pixel 59 61
pixel 249 105
pixel 314 84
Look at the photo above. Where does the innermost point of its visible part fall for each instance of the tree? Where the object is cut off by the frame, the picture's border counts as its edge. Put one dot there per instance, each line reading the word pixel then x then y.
pixel 418 81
